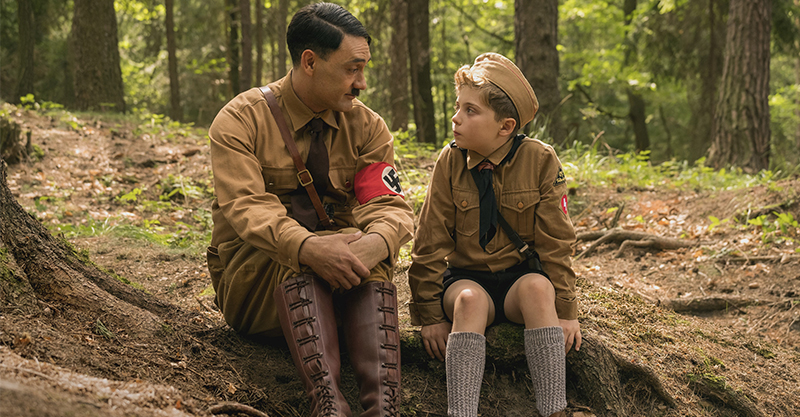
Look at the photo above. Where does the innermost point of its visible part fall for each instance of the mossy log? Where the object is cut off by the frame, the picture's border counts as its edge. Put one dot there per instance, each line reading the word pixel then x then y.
pixel 596 376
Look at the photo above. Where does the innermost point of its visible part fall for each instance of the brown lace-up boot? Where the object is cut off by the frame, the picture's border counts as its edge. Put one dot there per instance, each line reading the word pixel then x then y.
pixel 370 328
pixel 305 308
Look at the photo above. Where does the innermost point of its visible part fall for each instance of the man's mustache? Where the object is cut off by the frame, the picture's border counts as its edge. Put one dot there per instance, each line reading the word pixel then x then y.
pixel 355 92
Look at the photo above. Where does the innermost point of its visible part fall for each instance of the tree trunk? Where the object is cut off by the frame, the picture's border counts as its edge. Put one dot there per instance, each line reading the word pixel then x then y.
pixel 259 42
pixel 741 123
pixel 95 54
pixel 421 85
pixel 398 88
pixel 702 119
pixel 536 38
pixel 232 7
pixel 638 118
pixel 26 46
pixel 636 104
pixel 283 15
pixel 447 84
pixel 246 79
pixel 175 110
pixel 797 96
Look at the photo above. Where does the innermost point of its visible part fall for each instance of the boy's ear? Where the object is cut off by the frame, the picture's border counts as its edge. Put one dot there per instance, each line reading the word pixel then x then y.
pixel 509 124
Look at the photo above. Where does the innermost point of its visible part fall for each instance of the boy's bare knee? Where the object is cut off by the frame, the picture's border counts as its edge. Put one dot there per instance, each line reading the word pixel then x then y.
pixel 471 299
pixel 536 286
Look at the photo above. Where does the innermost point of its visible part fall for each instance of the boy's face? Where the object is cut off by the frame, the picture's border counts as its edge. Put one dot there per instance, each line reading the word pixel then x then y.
pixel 474 124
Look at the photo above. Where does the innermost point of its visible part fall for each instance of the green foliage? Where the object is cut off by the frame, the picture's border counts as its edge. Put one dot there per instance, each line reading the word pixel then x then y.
pixel 784 228
pixel 183 189
pixel 586 165
pixel 158 125
pixel 414 177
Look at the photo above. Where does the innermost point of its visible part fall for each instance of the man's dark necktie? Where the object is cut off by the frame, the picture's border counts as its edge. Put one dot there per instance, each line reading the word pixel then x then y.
pixel 317 165
pixel 482 174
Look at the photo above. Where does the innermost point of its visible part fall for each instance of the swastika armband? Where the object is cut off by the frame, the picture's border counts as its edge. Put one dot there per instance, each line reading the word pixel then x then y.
pixel 376 180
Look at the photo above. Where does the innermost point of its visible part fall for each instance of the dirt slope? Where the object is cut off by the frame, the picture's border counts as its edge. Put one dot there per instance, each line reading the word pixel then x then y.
pixel 55 363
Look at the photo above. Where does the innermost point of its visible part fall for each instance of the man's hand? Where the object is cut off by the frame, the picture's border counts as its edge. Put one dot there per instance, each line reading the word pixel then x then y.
pixel 434 337
pixel 572 334
pixel 370 249
pixel 332 259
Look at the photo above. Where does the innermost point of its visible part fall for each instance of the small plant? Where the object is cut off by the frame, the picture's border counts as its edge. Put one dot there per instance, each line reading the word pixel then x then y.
pixel 716 222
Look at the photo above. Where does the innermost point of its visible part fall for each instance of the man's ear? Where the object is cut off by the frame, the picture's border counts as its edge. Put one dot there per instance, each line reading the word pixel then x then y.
pixel 509 124
pixel 307 61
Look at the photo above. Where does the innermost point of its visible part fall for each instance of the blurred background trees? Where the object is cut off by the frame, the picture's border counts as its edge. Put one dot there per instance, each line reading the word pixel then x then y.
pixel 676 79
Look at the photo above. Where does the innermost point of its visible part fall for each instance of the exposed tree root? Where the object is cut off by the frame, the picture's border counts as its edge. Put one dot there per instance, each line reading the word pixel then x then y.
pixel 628 238
pixel 598 374
pixel 58 274
pixel 717 390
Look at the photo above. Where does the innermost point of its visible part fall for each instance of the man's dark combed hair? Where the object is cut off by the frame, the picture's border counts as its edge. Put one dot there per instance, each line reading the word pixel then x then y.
pixel 321 27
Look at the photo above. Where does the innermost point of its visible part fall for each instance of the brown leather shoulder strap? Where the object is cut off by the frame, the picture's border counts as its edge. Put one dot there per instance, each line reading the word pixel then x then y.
pixel 305 178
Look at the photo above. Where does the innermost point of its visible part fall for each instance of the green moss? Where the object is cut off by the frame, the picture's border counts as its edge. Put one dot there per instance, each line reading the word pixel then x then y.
pixel 760 350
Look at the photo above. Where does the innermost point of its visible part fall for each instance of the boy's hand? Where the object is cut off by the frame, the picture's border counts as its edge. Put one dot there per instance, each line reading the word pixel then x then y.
pixel 572 334
pixel 434 337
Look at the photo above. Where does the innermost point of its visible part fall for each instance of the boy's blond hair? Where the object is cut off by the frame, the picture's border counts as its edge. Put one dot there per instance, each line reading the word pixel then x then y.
pixel 492 95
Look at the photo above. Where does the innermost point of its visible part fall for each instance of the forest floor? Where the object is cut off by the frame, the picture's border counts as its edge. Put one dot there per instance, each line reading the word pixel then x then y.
pixel 52 364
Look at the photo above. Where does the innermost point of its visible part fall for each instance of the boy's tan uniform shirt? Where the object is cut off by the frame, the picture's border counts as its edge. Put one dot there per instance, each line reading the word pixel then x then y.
pixel 253 176
pixel 531 194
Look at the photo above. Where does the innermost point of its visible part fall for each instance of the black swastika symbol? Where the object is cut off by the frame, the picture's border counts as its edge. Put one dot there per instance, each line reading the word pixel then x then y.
pixel 392 181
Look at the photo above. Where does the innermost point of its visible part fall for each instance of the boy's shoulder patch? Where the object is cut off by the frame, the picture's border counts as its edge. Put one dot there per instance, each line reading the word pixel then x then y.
pixel 560 178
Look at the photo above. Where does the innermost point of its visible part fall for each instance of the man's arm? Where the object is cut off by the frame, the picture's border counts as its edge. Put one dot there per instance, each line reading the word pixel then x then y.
pixel 333 260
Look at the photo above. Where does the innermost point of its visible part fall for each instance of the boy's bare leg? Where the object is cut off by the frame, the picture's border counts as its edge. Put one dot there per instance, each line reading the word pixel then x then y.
pixel 531 300
pixel 471 309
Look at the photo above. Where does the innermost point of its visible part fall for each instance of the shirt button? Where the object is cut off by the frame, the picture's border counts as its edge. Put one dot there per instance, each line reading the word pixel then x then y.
pixel 464 203
pixel 520 205
pixel 347 184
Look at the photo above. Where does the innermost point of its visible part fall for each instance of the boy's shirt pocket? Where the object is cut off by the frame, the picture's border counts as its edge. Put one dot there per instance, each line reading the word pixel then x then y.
pixel 519 209
pixel 467 205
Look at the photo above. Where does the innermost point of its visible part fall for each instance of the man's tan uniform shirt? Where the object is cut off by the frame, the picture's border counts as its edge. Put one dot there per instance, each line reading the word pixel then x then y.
pixel 254 174
pixel 531 194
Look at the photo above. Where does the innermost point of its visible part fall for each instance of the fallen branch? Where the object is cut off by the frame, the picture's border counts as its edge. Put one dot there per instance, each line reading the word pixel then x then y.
pixel 628 238
pixel 706 304
pixel 235 408
pixel 748 259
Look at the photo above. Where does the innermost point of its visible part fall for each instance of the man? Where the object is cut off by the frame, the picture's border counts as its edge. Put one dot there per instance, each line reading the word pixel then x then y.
pixel 273 264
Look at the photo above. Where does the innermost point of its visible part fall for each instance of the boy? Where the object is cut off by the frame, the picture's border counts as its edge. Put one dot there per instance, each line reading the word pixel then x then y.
pixel 466 264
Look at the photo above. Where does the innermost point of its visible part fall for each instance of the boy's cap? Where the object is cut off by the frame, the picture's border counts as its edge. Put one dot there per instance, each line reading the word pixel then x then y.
pixel 501 72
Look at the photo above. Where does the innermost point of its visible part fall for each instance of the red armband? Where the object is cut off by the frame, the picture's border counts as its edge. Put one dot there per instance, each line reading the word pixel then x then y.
pixel 376 180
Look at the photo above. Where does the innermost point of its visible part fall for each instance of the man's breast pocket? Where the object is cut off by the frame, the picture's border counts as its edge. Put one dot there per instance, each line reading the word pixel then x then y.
pixel 519 209
pixel 467 212
pixel 279 180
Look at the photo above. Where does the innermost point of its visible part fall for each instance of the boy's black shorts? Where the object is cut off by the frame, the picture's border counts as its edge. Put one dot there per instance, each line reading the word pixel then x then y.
pixel 496 284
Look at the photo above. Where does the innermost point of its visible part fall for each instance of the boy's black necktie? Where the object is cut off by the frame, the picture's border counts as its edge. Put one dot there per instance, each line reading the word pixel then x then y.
pixel 482 174
pixel 317 164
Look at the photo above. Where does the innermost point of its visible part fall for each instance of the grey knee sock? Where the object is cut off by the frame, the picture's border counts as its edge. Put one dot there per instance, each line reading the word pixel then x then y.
pixel 544 348
pixel 464 362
